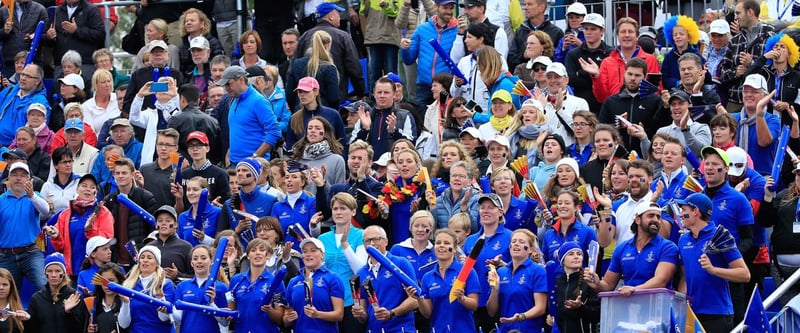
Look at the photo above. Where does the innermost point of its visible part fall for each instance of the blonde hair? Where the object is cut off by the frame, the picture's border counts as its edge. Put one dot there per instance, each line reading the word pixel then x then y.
pixel 346 199
pixel 421 214
pixel 462 154
pixel 490 63
pixel 155 288
pixel 100 74
pixel 319 54
pixel 71 107
pixel 203 19
pixel 460 220
pixel 13 301
pixel 161 26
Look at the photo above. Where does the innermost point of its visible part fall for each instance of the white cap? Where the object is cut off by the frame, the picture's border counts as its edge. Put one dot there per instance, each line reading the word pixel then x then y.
pixel 384 159
pixel 542 60
pixel 500 139
pixel 738 160
pixel 533 103
pixel 572 163
pixel 756 81
pixel 646 206
pixel 594 19
pixel 152 249
pixel 157 43
pixel 97 241
pixel 314 241
pixel 557 68
pixel 704 38
pixel 719 26
pixel 72 80
pixel 576 8
pixel 199 42
pixel 19 165
pixel 474 132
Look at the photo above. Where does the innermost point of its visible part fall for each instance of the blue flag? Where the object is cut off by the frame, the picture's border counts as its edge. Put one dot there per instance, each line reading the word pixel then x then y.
pixel 755 319
pixel 674 327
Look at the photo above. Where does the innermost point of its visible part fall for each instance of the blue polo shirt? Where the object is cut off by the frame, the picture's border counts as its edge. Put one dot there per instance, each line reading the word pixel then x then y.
pixel 577 232
pixel 325 286
pixel 756 192
pixel 186 223
pixel 636 267
pixel 496 244
pixel 670 191
pixel 422 262
pixel 517 215
pixel 516 294
pixel 304 208
pixel 249 297
pixel 731 209
pixel 446 316
pixel 144 316
pixel 762 156
pixel 190 291
pixel 710 294
pixel 257 203
pixel 390 294
pixel 20 221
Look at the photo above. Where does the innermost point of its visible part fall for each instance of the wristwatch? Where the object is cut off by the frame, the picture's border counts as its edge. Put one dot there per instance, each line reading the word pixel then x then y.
pixel 392 315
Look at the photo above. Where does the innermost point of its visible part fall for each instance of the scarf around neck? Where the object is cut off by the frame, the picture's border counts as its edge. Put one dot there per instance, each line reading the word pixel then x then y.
pixel 744 129
pixel 315 150
pixel 500 124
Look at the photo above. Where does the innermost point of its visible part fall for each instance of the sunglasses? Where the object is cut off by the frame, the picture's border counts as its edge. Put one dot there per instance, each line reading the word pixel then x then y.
pixel 539 68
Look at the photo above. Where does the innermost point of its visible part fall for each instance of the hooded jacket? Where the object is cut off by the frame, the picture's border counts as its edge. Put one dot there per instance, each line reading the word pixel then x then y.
pixel 420 51
pixel 612 73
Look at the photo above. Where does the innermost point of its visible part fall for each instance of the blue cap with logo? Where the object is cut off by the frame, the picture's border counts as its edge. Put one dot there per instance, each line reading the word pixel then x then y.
pixel 325 8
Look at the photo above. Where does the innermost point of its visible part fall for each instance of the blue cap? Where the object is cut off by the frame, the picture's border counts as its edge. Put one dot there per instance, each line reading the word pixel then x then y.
pixel 444 2
pixel 74 123
pixel 56 259
pixel 394 77
pixel 325 8
pixel 697 200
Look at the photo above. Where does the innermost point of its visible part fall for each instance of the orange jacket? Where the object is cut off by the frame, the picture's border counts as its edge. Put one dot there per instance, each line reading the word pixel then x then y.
pixel 612 73
pixel 103 226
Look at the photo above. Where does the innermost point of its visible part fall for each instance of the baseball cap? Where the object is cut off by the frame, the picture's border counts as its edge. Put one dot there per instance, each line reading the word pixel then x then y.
pixel 714 150
pixel 353 107
pixel 307 84
pixel 473 3
pixel 679 94
pixel 444 2
pixel 384 159
pixel 542 60
pixel 738 161
pixel 491 197
pixel 121 122
pixel 502 95
pixel 97 241
pixel 557 68
pixel 166 209
pixel 500 139
pixel 325 8
pixel 199 136
pixel 474 132
pixel 90 177
pixel 394 77
pixel 646 206
pixel 231 73
pixel 157 43
pixel 255 71
pixel 19 165
pixel 533 103
pixel 317 243
pixel 697 200
pixel 199 42
pixel 74 124
pixel 648 31
pixel 72 80
pixel 756 81
pixel 594 19
pixel 16 154
pixel 38 107
pixel 576 8
pixel 719 26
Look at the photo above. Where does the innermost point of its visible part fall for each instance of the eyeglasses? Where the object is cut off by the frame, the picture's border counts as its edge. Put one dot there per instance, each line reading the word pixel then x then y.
pixel 25 75
pixel 373 240
pixel 539 68
pixel 581 124
pixel 459 176
pixel 194 146
pixel 456 105
pixel 66 162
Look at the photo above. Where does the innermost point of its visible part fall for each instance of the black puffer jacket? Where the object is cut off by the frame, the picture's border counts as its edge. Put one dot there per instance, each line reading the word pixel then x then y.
pixel 49 317
pixel 585 319
pixel 579 79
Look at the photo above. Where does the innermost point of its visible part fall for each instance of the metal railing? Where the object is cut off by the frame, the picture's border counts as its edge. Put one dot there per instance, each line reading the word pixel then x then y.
pixel 775 296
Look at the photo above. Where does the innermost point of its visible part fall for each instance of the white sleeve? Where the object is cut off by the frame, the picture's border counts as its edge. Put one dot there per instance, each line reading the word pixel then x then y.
pixel 124 317
pixel 501 42
pixel 135 116
pixel 177 315
pixel 408 130
pixel 40 204
pixel 457 51
pixel 357 259
pixel 163 316
pixel 356 130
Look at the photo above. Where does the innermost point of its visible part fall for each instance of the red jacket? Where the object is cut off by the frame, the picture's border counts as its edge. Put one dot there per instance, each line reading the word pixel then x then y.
pixel 103 226
pixel 612 74
pixel 90 137
pixel 101 8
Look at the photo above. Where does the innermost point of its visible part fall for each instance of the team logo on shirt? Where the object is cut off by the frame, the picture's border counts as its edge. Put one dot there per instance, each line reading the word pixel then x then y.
pixel 522 279
pixel 688 245
pixel 650 257
pixel 434 285
pixel 628 256
pixel 577 239
pixel 387 274
pixel 518 214
pixel 320 282
pixel 302 209
pixel 264 288
pixel 496 246
pixel 722 205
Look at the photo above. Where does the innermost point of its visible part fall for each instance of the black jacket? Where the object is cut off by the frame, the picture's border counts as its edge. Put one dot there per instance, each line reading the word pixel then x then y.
pixel 327 77
pixel 186 56
pixel 178 252
pixel 647 111
pixel 581 81
pixel 344 54
pixel 790 82
pixel 39 163
pixel 138 229
pixel 90 36
pixel 49 317
pixel 592 171
pixel 516 47
pixel 138 79
pixel 13 42
pixel 709 96
pixel 585 319
pixel 192 119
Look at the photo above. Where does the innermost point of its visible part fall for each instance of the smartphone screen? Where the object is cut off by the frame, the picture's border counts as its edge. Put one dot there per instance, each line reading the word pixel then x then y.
pixel 158 87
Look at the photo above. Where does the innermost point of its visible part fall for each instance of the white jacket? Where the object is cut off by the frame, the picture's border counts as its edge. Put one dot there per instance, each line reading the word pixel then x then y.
pixel 568 107
pixel 148 119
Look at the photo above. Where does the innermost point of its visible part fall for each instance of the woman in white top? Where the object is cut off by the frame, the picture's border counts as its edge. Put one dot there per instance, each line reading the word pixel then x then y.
pixel 167 103
pixel 60 189
pixel 477 36
pixel 103 105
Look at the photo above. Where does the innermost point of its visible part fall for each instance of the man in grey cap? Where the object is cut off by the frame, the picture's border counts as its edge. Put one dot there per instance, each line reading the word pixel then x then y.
pixel 693 135
pixel 159 58
pixel 247 119
pixel 175 252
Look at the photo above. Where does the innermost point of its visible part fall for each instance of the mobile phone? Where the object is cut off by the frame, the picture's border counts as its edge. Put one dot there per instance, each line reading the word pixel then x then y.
pixel 157 87
pixel 654 78
pixel 470 105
